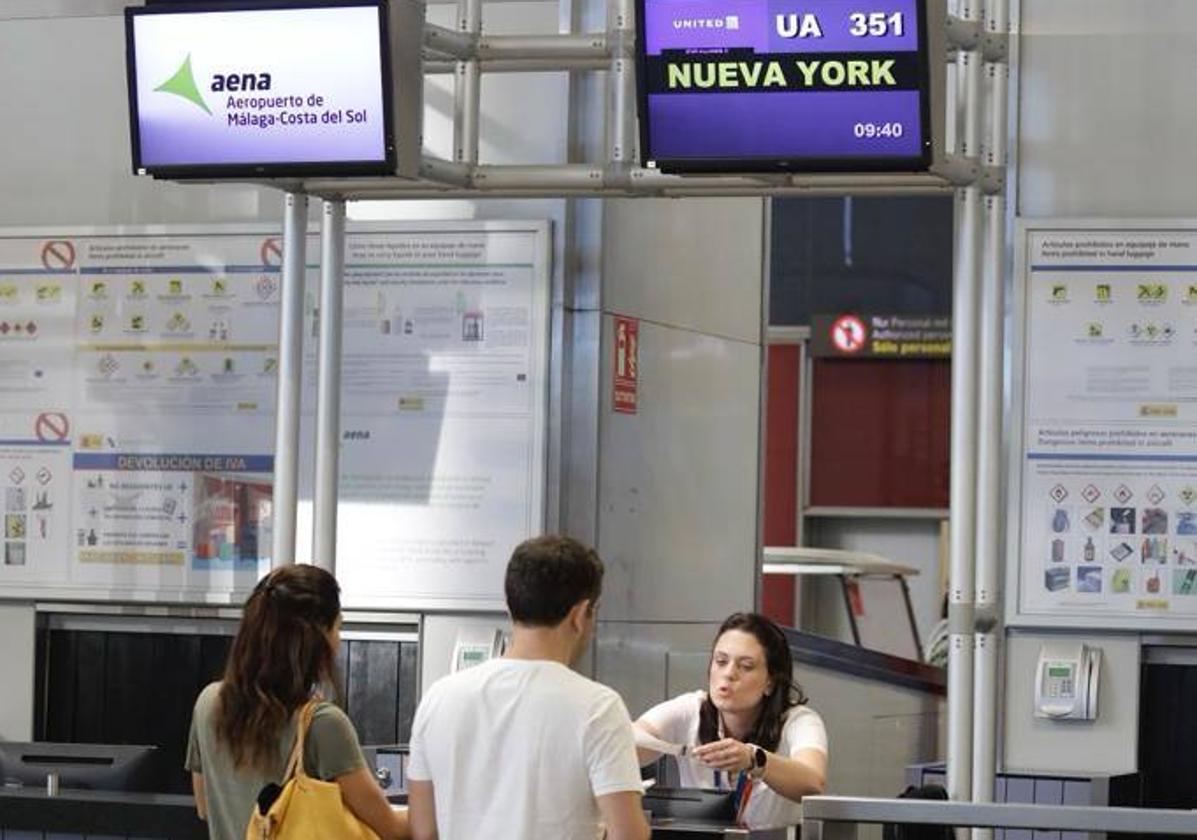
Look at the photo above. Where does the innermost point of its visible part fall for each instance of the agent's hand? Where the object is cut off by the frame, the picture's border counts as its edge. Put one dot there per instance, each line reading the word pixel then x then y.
pixel 728 754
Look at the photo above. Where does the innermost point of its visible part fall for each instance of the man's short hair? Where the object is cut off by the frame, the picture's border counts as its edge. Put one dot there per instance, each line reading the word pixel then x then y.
pixel 547 576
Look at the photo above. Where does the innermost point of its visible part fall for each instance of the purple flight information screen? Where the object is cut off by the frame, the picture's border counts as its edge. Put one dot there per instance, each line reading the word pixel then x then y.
pixel 776 85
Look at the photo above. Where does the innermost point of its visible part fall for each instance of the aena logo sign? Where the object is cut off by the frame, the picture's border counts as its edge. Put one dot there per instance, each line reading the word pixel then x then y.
pixel 182 83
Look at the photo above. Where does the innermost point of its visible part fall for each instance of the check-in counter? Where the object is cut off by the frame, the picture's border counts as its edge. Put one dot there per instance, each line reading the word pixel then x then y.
pixel 79 814
pixel 88 813
pixel 667 828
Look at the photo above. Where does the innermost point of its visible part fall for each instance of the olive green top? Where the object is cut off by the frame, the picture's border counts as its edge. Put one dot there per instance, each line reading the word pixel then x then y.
pixel 331 750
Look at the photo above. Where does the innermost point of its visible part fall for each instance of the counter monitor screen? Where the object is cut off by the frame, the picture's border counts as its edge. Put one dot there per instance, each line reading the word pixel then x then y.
pixel 260 89
pixel 120 767
pixel 773 85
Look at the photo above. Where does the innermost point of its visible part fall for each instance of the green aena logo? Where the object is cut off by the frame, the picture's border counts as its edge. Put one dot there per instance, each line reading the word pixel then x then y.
pixel 182 84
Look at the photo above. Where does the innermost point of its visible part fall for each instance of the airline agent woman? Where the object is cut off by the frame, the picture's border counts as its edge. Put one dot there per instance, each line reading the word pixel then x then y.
pixel 750 731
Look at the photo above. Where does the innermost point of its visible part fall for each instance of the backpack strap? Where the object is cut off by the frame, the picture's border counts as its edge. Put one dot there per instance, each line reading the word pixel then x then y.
pixel 303 720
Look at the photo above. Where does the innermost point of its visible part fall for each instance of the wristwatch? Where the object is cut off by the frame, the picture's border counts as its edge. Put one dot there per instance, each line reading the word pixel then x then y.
pixel 759 759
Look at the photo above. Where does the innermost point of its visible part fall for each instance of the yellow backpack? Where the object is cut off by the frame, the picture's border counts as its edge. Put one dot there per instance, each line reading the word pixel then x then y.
pixel 307 808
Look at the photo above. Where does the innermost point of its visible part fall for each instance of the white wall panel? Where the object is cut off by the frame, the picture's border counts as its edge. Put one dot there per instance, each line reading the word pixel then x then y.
pixel 438 635
pixel 873 730
pixel 1106 122
pixel 1109 744
pixel 64 154
pixel 641 661
pixel 690 263
pixel 61 8
pixel 1105 129
pixel 17 623
pixel 579 431
pixel 678 480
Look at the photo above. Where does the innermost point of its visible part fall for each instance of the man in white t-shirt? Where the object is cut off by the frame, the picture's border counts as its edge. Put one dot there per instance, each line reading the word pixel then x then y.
pixel 522 746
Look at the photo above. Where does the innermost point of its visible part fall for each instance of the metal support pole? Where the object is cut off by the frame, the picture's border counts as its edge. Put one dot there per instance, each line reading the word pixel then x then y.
pixel 963 498
pixel 964 435
pixel 989 518
pixel 289 388
pixel 564 177
pixel 621 84
pixel 989 458
pixel 914 624
pixel 328 387
pixel 985 680
pixel 951 127
pixel 442 177
pixel 805 390
pixel 559 48
pixel 446 171
pixel 848 609
pixel 508 65
pixel 450 42
pixel 467 87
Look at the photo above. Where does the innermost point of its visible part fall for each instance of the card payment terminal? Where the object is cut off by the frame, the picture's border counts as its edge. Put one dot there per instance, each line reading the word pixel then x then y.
pixel 1066 682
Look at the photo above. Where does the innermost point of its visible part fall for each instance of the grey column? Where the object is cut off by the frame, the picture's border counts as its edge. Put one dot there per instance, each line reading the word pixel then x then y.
pixel 328 387
pixel 289 389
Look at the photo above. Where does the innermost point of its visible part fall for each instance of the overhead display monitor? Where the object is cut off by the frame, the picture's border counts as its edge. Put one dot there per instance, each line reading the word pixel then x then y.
pixel 260 89
pixel 781 86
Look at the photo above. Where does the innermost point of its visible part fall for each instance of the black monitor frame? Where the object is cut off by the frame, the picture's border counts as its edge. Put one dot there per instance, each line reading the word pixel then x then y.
pixel 690 803
pixel 117 767
pixel 786 165
pixel 289 169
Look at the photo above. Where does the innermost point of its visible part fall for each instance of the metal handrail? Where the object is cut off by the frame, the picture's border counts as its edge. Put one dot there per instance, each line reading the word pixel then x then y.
pixel 837 817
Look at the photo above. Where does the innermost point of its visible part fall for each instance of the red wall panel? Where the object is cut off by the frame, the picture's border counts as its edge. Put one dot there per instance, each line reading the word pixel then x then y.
pixel 880 433
pixel 781 474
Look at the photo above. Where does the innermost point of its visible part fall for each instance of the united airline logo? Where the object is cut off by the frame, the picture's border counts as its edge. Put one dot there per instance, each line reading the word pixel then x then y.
pixel 182 83
pixel 727 22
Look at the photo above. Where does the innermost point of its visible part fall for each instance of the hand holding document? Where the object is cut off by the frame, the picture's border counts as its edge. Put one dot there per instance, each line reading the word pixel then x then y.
pixel 647 742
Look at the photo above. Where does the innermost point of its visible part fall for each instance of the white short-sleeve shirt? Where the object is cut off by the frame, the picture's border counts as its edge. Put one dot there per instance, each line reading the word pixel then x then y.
pixel 677 721
pixel 519 748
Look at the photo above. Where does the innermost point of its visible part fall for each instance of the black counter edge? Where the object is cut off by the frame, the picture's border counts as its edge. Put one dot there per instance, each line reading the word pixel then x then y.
pixel 130 816
pixel 833 655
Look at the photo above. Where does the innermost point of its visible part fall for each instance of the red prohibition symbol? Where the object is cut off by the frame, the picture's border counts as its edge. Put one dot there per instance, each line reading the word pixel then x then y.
pixel 58 254
pixel 52 426
pixel 848 334
pixel 272 251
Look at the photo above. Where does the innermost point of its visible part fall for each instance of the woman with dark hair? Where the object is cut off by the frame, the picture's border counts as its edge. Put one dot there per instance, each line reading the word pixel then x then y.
pixel 750 731
pixel 243 728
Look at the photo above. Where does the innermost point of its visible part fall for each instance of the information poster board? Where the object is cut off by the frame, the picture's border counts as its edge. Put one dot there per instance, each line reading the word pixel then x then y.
pixel 139 369
pixel 1106 472
pixel 443 420
pixel 38 289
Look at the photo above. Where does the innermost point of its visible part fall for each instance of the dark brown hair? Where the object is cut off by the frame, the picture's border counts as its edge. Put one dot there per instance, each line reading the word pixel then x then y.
pixel 281 653
pixel 786 693
pixel 547 576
